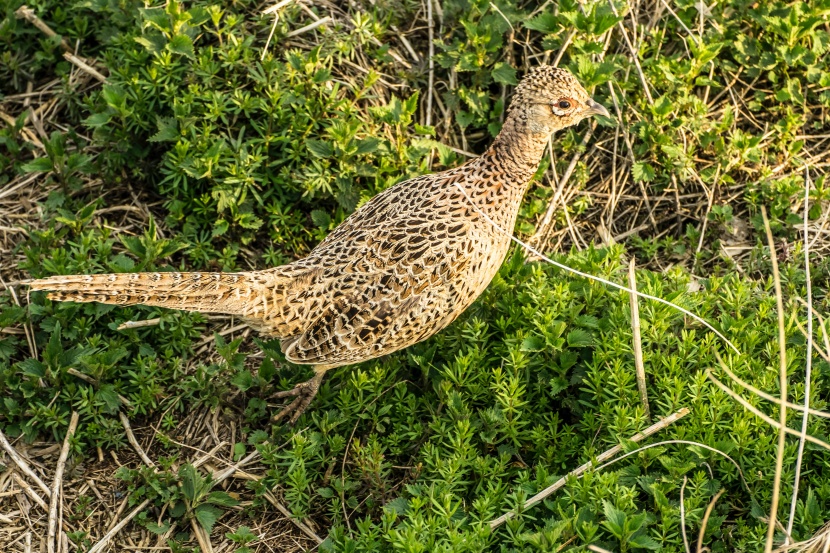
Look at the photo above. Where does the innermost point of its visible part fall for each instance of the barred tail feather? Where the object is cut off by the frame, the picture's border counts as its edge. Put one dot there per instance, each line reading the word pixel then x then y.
pixel 231 293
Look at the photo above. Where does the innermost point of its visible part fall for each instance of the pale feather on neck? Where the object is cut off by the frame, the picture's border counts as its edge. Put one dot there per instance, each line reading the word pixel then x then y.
pixel 519 146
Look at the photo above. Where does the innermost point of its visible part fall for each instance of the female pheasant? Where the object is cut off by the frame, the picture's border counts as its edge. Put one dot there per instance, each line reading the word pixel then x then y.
pixel 398 270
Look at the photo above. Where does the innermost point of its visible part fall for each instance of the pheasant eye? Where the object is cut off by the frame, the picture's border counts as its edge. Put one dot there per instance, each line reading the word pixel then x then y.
pixel 564 104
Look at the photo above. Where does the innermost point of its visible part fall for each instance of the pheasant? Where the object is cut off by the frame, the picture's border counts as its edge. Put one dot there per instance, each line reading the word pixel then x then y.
pixel 398 270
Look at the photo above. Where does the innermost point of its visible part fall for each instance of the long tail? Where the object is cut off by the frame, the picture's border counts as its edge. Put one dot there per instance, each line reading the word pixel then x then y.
pixel 232 293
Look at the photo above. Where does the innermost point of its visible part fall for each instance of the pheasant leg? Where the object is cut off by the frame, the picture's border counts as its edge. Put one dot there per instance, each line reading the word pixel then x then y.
pixel 303 393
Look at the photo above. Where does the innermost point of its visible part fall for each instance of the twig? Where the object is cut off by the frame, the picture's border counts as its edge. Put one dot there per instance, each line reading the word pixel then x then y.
pixel 22 465
pixel 299 524
pixel 235 469
pixel 562 48
pixel 706 519
pixel 782 377
pixel 809 365
pixel 431 82
pixel 51 544
pixel 541 233
pixel 632 159
pixel 760 393
pixel 636 339
pixel 18 185
pixel 139 324
pixel 769 420
pixel 309 27
pixel 84 66
pixel 30 491
pixel 29 135
pixel 818 543
pixel 103 542
pixel 683 515
pixel 27 13
pixel 133 442
pixel 634 56
pixel 691 34
pixel 201 536
pixel 276 7
pixel 653 429
pixel 684 442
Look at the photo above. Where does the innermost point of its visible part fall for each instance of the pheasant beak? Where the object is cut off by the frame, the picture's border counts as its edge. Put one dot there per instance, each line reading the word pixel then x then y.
pixel 595 108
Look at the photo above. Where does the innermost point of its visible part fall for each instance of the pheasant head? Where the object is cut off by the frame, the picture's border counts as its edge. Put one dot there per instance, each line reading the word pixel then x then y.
pixel 546 100
pixel 549 99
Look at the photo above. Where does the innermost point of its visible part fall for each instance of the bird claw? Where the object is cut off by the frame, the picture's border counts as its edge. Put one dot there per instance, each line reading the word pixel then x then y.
pixel 304 392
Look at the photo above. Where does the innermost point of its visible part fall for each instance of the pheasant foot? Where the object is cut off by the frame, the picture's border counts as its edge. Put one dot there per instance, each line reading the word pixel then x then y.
pixel 303 393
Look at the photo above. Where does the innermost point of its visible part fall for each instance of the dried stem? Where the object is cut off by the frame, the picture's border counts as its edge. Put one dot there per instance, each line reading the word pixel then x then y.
pixel 139 324
pixel 51 542
pixel 27 13
pixel 84 66
pixel 30 491
pixel 760 393
pixel 762 416
pixel 653 429
pixel 706 516
pixel 133 442
pixel 782 377
pixel 636 339
pixel 103 542
pixel 809 363
pixel 683 515
pixel 23 465
pixel 431 82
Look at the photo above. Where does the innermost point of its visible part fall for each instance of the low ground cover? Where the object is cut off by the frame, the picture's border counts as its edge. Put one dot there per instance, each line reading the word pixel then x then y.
pixel 232 136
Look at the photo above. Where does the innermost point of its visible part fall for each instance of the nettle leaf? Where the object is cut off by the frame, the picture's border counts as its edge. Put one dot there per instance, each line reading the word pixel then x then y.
pixel 544 23
pixel 191 481
pixel 642 172
pixel 503 73
pixel 32 367
pixel 198 16
pixel 243 380
pixel 220 228
pixel 464 119
pixel 615 519
pixel 207 515
pixel 114 96
pixel 223 499
pixel 38 165
pixel 181 44
pixel 322 76
pixel 157 529
pixel 98 119
pixel 533 343
pixel 367 145
pixel 108 396
pixel 152 42
pixel 399 506
pixel 321 218
pixel 168 130
pixel 11 314
pixel 643 542
pixel 578 338
pixel 267 370
pixel 320 148
pixel 248 221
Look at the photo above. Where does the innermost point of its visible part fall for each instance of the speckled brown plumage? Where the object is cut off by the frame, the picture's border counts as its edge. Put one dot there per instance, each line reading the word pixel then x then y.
pixel 398 270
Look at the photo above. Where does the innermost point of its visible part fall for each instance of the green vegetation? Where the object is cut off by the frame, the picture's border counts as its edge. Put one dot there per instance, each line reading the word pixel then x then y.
pixel 206 150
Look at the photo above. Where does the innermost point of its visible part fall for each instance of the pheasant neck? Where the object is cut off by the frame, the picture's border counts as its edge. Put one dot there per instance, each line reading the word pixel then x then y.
pixel 518 150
